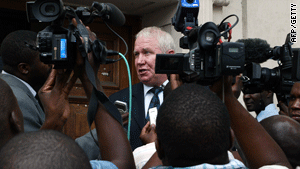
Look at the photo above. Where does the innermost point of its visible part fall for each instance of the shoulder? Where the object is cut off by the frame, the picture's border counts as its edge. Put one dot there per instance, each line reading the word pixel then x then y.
pixel 21 95
pixel 99 164
pixel 125 92
pixel 16 85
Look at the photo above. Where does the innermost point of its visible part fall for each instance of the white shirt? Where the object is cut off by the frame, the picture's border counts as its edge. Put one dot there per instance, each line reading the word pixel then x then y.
pixel 25 83
pixel 148 95
pixel 269 111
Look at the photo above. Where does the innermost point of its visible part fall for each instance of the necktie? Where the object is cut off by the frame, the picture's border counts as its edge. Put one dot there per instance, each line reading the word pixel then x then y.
pixel 155 99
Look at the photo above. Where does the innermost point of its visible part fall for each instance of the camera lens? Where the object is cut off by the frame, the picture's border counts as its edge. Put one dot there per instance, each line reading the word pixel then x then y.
pixel 50 9
pixel 190 1
pixel 47 10
pixel 210 36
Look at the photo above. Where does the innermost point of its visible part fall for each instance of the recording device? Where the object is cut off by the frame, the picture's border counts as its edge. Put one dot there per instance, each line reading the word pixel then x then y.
pixel 56 44
pixel 207 60
pixel 122 106
pixel 279 79
pixel 152 115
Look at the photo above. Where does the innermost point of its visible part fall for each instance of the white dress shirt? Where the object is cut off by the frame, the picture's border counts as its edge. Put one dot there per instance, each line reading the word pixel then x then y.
pixel 148 95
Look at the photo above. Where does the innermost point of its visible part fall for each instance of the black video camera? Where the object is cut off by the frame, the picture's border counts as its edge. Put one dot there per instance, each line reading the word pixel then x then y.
pixel 56 44
pixel 279 79
pixel 207 60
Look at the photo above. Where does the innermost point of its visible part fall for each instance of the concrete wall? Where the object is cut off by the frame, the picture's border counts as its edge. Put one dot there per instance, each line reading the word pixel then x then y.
pixel 266 19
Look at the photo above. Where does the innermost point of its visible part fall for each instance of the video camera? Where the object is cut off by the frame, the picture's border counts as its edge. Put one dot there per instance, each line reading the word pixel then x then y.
pixel 279 79
pixel 208 59
pixel 56 44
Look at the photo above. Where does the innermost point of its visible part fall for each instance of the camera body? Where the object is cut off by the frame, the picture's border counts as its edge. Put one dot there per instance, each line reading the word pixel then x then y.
pixel 279 79
pixel 207 60
pixel 58 45
pixel 203 66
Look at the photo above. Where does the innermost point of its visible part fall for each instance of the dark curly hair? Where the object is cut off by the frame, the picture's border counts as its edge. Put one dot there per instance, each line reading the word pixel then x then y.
pixel 43 149
pixel 193 125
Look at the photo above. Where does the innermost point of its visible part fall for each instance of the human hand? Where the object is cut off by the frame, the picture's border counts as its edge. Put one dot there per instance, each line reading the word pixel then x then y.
pixel 283 109
pixel 80 69
pixel 148 134
pixel 125 118
pixel 91 58
pixel 54 98
pixel 222 86
pixel 175 81
pixel 237 86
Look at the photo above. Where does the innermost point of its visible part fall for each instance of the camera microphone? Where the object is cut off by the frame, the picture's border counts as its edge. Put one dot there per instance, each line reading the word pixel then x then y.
pixel 256 50
pixel 110 13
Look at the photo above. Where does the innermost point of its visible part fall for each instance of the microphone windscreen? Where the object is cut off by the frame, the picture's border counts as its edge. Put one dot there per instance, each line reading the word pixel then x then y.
pixel 255 50
pixel 117 17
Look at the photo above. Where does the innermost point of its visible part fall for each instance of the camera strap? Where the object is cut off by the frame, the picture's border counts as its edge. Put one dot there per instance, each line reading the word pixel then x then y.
pixel 99 96
pixel 96 94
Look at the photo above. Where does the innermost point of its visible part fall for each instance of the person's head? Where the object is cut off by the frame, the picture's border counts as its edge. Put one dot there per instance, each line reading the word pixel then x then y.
pixel 149 42
pixel 193 127
pixel 258 101
pixel 294 103
pixel 11 118
pixel 43 149
pixel 21 61
pixel 286 132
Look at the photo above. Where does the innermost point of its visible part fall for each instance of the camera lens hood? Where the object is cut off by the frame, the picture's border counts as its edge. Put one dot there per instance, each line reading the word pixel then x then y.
pixel 47 10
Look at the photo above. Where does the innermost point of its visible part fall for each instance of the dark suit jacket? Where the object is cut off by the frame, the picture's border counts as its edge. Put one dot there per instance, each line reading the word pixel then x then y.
pixel 137 111
pixel 34 116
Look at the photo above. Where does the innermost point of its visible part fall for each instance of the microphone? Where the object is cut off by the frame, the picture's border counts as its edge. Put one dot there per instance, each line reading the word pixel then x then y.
pixel 110 13
pixel 256 50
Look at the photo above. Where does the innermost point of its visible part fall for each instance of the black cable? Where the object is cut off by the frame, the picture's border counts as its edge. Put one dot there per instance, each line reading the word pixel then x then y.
pixel 120 38
pixel 227 30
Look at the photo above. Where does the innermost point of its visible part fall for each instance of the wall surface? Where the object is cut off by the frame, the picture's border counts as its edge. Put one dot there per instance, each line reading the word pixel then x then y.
pixel 268 19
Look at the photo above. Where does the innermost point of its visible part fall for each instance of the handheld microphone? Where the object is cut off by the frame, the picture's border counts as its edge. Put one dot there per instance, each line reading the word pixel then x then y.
pixel 110 13
pixel 256 50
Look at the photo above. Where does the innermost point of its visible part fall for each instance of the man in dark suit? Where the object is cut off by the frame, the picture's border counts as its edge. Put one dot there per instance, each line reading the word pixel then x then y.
pixel 149 42
pixel 25 74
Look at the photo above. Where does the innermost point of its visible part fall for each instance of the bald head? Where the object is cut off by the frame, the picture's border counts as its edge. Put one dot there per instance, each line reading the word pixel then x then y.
pixel 11 118
pixel 286 132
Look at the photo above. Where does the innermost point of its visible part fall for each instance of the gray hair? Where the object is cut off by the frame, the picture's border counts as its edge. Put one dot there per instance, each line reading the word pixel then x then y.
pixel 165 40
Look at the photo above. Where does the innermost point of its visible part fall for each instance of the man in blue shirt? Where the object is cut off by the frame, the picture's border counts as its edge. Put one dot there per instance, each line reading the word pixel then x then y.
pixel 261 103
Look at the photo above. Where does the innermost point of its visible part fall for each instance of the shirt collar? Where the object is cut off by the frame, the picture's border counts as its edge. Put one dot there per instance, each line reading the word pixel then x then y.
pixel 25 83
pixel 147 88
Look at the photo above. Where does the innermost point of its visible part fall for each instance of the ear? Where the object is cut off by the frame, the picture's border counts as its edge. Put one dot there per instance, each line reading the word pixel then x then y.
pixel 171 51
pixel 24 68
pixel 159 149
pixel 231 138
pixel 16 123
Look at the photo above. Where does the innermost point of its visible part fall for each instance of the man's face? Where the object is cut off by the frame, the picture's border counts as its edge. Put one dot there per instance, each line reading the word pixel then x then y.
pixel 145 50
pixel 294 104
pixel 252 101
pixel 39 72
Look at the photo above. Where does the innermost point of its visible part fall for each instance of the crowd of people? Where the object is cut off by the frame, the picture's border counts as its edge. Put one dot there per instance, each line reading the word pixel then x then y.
pixel 196 126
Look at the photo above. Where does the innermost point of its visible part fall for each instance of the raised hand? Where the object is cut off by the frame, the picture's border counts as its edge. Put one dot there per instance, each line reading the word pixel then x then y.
pixel 54 98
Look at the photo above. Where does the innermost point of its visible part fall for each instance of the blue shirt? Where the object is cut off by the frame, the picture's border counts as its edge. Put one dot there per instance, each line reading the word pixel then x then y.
pixel 269 111
pixel 99 164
